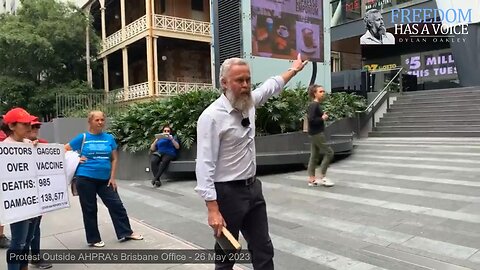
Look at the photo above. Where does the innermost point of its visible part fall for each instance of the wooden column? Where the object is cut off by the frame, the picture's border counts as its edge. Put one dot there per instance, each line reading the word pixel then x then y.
pixel 123 19
pixel 105 73
pixel 126 83
pixel 150 54
pixel 87 47
pixel 104 27
pixel 155 59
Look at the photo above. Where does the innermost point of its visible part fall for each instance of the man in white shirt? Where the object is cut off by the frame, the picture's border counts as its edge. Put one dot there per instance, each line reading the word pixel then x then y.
pixel 376 33
pixel 226 163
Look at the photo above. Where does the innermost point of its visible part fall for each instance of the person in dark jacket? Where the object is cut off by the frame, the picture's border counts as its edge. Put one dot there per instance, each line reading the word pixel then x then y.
pixel 316 126
pixel 163 151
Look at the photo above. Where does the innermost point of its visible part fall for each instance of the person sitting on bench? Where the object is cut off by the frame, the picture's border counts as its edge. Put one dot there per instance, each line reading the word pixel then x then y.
pixel 164 149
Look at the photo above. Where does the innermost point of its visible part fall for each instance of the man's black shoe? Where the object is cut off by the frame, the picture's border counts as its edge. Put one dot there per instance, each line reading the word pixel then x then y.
pixel 41 264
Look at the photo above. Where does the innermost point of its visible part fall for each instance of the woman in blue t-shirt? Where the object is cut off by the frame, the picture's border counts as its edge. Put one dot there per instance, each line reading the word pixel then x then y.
pixel 96 175
pixel 163 150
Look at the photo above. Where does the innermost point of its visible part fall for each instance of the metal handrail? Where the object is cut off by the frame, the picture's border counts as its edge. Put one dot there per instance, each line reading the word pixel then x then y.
pixel 383 90
pixel 373 103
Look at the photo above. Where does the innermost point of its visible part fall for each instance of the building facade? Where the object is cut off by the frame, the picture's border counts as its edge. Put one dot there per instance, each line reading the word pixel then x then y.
pixel 153 48
pixel 428 58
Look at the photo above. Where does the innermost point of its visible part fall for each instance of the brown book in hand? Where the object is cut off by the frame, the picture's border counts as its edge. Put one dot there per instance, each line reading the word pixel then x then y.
pixel 227 242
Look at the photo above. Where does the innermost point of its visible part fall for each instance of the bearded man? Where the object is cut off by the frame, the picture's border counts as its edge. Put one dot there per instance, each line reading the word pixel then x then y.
pixel 376 31
pixel 226 163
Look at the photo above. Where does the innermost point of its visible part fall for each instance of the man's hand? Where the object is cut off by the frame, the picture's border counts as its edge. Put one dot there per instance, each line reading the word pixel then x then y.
pixel 83 159
pixel 325 116
pixel 299 64
pixel 215 219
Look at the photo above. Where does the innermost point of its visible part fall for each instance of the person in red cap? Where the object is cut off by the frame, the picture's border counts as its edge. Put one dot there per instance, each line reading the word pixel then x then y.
pixel 35 244
pixel 16 125
pixel 33 135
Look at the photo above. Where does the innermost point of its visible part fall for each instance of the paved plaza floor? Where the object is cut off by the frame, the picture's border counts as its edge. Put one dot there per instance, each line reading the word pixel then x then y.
pixel 397 204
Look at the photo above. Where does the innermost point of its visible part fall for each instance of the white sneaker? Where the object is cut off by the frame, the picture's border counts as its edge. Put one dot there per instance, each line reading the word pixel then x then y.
pixel 98 244
pixel 313 184
pixel 326 182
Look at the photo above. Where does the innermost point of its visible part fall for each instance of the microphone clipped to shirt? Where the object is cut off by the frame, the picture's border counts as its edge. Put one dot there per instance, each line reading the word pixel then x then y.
pixel 246 122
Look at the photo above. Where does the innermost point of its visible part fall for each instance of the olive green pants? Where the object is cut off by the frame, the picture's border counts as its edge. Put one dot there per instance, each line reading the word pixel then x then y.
pixel 318 147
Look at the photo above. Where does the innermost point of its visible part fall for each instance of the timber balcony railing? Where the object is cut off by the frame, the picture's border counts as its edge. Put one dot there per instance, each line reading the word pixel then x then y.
pixel 163 88
pixel 161 22
pixel 181 25
pixel 175 88
pixel 136 27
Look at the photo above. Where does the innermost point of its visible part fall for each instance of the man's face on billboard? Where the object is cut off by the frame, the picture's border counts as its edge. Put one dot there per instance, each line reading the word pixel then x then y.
pixel 377 24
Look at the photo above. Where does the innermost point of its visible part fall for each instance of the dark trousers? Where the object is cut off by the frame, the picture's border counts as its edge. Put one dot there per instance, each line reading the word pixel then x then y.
pixel 244 209
pixel 159 163
pixel 35 244
pixel 88 188
pixel 22 234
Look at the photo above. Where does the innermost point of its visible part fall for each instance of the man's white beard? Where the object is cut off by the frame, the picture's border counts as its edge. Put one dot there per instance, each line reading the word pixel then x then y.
pixel 242 103
pixel 381 30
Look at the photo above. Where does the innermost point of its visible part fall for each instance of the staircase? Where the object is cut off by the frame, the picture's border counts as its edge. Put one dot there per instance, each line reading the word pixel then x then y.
pixel 433 113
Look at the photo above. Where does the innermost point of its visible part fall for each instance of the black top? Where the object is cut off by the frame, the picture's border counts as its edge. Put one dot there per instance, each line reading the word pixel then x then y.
pixel 315 122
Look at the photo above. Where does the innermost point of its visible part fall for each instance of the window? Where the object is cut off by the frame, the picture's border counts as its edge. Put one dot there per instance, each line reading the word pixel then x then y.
pixel 197 5
pixel 335 61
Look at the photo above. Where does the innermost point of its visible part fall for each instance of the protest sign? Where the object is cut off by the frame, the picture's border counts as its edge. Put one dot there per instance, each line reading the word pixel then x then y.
pixel 32 180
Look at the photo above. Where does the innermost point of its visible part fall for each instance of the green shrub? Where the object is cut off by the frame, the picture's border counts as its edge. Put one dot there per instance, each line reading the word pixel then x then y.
pixel 283 113
pixel 342 105
pixel 136 126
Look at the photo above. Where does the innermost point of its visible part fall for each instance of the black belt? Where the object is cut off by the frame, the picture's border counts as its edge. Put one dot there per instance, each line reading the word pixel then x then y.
pixel 243 182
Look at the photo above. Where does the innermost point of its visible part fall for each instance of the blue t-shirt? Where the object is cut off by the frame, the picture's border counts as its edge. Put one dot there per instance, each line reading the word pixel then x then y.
pixel 165 146
pixel 98 151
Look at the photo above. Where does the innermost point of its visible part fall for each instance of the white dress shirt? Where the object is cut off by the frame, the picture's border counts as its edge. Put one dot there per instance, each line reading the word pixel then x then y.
pixel 226 149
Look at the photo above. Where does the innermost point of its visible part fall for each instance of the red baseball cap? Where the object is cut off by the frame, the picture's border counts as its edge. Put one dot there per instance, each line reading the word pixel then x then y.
pixel 18 115
pixel 35 122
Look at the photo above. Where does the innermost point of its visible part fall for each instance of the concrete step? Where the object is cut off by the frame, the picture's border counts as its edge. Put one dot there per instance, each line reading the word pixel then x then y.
pixel 428 122
pixel 440 97
pixel 464 162
pixel 446 103
pixel 430 117
pixel 424 134
pixel 410 99
pixel 413 152
pixel 459 150
pixel 433 106
pixel 433 112
pixel 428 128
pixel 444 92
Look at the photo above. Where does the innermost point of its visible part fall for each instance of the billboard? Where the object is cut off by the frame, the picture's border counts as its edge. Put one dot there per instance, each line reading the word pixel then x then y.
pixel 283 28
pixel 431 66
